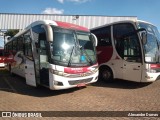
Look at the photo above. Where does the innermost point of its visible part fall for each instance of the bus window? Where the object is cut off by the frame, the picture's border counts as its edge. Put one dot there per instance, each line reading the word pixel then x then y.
pixel 126 42
pixel 104 36
pixel 10 47
pixel 20 44
pixel 28 48
pixel 14 46
pixel 42 44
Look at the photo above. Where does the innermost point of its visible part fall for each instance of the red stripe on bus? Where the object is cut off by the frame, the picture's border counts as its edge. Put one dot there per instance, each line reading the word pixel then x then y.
pixel 76 70
pixel 155 65
pixel 104 54
pixel 71 26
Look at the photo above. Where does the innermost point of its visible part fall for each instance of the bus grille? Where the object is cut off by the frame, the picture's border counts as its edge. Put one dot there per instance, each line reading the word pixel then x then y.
pixel 80 75
pixel 75 82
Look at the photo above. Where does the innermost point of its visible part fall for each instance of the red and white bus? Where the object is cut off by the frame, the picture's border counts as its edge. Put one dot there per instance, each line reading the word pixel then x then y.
pixel 128 50
pixel 54 54
pixel 2 58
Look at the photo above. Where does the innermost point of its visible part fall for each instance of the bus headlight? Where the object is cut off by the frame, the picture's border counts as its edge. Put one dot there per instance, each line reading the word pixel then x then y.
pixel 56 72
pixel 151 70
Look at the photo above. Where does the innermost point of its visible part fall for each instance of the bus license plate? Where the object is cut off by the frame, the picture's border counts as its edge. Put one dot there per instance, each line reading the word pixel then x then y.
pixel 81 85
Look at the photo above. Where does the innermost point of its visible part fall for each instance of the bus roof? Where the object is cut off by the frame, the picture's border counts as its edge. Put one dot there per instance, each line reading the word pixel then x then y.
pixel 58 23
pixel 123 21
pixel 55 23
pixel 52 22
pixel 71 26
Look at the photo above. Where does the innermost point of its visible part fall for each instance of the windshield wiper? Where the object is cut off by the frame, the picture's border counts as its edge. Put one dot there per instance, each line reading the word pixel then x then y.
pixel 69 62
pixel 88 58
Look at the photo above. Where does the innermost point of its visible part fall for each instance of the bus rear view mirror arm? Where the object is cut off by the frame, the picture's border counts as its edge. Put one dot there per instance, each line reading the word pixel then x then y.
pixel 95 39
pixel 144 38
pixel 143 35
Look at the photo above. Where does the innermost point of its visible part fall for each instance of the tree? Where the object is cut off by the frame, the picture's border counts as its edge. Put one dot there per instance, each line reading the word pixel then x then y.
pixel 11 32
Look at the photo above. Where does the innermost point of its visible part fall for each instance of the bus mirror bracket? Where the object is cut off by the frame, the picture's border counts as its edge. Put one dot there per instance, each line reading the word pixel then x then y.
pixel 143 35
pixel 144 38
pixel 49 32
pixel 95 39
pixel 9 38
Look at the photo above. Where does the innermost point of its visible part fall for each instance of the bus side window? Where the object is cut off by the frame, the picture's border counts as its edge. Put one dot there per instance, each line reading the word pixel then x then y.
pixel 10 48
pixel 40 41
pixel 42 44
pixel 104 36
pixel 14 46
pixel 28 46
pixel 39 38
pixel 127 42
pixel 43 55
pixel 20 44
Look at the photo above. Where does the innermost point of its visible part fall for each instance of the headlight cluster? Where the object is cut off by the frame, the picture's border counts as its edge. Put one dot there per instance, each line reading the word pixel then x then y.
pixel 60 73
pixel 151 70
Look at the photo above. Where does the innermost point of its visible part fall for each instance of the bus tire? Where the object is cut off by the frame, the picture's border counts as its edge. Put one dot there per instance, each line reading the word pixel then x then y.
pixel 10 70
pixel 105 74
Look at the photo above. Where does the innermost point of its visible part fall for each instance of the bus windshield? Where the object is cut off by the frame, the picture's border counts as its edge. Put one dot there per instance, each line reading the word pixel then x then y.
pixel 151 48
pixel 72 48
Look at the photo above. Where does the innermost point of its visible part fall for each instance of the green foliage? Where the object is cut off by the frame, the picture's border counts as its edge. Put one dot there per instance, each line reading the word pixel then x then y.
pixel 11 32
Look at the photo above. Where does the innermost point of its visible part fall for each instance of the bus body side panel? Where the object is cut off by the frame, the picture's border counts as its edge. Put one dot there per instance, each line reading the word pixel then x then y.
pixel 30 73
pixel 29 67
pixel 18 65
pixel 107 56
pixel 104 54
pixel 132 71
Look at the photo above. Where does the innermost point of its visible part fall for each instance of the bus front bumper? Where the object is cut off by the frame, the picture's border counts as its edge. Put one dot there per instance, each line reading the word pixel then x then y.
pixel 151 77
pixel 60 82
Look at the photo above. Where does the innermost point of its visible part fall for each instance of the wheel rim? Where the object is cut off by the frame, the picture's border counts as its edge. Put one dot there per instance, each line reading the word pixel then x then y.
pixel 106 75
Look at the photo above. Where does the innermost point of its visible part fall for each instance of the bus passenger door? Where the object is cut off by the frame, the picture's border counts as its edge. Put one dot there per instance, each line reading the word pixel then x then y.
pixel 40 55
pixel 30 73
pixel 29 61
pixel 132 71
pixel 43 61
pixel 128 47
pixel 132 61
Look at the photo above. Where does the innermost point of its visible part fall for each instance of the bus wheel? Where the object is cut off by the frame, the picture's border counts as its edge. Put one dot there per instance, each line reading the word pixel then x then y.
pixel 10 70
pixel 105 74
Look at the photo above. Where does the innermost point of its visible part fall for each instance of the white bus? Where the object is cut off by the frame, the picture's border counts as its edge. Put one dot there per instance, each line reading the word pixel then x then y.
pixel 128 50
pixel 53 54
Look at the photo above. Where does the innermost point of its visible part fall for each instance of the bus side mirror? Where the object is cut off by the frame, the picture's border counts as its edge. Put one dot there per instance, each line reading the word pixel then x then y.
pixel 94 39
pixel 9 38
pixel 144 38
